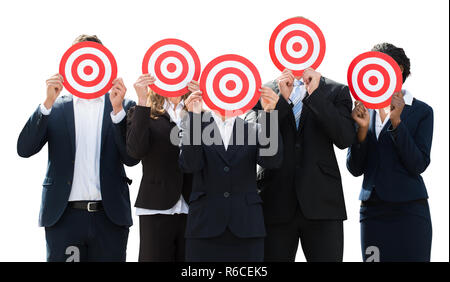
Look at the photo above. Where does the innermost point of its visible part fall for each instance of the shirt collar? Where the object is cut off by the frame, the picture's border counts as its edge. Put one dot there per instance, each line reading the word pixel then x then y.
pixel 169 105
pixel 298 82
pixel 76 99
pixel 408 97
pixel 227 122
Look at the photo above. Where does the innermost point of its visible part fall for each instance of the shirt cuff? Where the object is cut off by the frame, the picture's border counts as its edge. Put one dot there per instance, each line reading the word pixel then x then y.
pixel 118 117
pixel 44 110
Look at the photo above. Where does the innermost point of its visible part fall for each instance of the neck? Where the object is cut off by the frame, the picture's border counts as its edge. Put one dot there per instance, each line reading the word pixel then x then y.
pixel 174 100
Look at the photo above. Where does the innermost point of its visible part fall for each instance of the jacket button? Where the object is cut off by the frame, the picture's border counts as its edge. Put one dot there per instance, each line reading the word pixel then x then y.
pixel 226 169
pixel 297 146
pixel 69 182
pixel 226 194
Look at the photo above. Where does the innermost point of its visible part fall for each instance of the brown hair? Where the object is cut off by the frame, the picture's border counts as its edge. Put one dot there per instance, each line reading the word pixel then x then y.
pixel 156 103
pixel 85 37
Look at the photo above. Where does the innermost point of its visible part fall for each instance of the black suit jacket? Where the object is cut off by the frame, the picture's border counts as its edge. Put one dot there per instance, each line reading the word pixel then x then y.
pixel 58 130
pixel 309 175
pixel 224 192
pixel 162 179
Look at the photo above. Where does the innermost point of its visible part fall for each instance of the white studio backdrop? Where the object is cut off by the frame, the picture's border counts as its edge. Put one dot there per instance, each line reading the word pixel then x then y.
pixel 35 34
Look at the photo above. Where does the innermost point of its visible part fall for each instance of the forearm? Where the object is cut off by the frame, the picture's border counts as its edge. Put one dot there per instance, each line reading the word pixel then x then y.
pixel 414 152
pixel 334 116
pixel 34 134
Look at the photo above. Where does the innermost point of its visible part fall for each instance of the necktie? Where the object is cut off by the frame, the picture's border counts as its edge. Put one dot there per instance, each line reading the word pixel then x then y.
pixel 296 99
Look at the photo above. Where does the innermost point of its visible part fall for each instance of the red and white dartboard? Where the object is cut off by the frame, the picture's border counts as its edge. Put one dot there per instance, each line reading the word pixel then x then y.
pixel 230 85
pixel 89 69
pixel 297 44
pixel 174 64
pixel 373 77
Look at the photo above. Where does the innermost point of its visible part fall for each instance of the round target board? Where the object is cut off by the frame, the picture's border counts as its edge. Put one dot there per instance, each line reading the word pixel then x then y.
pixel 373 77
pixel 230 85
pixel 174 64
pixel 88 69
pixel 297 44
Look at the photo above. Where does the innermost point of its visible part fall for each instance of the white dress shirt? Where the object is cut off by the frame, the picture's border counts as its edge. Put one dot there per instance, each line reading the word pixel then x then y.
pixel 379 125
pixel 181 207
pixel 225 128
pixel 88 118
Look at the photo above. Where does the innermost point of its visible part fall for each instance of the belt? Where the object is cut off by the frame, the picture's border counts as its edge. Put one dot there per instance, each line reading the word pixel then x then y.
pixel 87 206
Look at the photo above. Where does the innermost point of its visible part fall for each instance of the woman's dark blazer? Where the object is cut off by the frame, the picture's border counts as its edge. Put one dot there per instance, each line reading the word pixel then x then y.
pixel 149 140
pixel 224 192
pixel 392 164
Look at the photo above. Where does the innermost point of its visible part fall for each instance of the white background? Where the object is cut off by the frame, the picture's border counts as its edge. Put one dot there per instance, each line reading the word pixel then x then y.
pixel 35 34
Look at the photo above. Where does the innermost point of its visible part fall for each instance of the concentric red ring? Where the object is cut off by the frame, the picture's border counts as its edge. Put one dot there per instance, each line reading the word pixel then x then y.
pixel 100 65
pixel 311 46
pixel 208 92
pixel 72 88
pixel 158 74
pixel 305 36
pixel 163 78
pixel 219 76
pixel 387 79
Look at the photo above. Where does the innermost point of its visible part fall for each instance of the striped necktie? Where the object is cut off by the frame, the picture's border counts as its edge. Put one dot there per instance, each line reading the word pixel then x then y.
pixel 296 99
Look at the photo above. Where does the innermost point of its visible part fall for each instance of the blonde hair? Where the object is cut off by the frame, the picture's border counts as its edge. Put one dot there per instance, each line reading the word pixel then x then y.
pixel 156 103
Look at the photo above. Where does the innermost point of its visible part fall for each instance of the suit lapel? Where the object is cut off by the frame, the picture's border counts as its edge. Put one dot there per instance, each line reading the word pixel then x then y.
pixel 303 117
pixel 70 120
pixel 106 119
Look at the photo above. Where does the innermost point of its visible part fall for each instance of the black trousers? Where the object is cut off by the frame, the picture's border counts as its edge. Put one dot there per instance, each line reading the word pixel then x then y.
pixel 80 235
pixel 322 240
pixel 226 247
pixel 162 238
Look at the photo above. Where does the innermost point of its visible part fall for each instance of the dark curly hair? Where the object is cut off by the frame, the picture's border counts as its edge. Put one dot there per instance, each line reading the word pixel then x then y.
pixel 398 54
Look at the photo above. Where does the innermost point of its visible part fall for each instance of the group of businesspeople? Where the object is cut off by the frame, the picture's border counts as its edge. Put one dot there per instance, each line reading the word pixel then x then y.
pixel 226 201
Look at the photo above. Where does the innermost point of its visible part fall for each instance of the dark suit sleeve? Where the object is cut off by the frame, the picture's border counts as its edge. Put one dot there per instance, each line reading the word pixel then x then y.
pixel 269 154
pixel 138 134
pixel 282 106
pixel 34 135
pixel 191 152
pixel 334 116
pixel 414 151
pixel 120 131
pixel 357 158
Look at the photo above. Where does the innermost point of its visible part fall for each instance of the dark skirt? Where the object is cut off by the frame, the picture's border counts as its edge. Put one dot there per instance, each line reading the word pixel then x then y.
pixel 396 232
pixel 225 248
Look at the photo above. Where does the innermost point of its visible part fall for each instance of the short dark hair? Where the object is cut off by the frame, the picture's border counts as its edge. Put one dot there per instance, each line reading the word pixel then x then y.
pixel 398 54
pixel 85 37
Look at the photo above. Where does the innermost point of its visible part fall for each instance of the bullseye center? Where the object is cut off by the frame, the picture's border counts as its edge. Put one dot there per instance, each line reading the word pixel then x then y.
pixel 230 85
pixel 88 70
pixel 297 46
pixel 171 67
pixel 373 80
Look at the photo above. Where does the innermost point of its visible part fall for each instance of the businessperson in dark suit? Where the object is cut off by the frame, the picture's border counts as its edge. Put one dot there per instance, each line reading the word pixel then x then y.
pixel 85 199
pixel 225 220
pixel 392 151
pixel 303 198
pixel 161 202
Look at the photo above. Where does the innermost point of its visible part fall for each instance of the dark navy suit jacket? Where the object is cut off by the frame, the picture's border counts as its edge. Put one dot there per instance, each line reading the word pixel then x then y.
pixel 58 130
pixel 224 191
pixel 392 164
